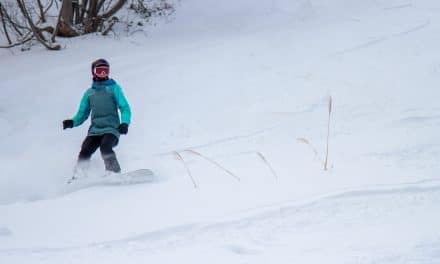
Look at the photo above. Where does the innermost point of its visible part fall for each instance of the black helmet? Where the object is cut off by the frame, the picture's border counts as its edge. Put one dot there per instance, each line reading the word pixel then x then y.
pixel 100 69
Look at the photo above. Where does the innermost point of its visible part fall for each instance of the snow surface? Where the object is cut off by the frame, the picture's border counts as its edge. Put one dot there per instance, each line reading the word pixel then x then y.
pixel 239 82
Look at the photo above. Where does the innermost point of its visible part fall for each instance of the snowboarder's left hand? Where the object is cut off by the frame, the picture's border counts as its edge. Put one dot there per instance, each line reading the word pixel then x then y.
pixel 123 128
pixel 68 123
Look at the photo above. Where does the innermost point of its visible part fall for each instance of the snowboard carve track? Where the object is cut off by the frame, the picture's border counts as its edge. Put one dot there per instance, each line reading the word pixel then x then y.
pixel 140 176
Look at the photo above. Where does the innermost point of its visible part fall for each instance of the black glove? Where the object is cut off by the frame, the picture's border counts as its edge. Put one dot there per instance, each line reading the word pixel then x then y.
pixel 67 123
pixel 123 128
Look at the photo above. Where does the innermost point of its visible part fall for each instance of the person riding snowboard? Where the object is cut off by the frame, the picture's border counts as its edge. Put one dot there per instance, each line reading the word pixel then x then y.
pixel 102 100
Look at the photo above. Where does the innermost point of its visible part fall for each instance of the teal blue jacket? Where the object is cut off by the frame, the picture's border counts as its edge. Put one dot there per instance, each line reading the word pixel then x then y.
pixel 103 100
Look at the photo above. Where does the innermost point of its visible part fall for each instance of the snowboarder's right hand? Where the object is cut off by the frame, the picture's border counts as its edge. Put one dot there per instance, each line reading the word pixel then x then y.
pixel 68 123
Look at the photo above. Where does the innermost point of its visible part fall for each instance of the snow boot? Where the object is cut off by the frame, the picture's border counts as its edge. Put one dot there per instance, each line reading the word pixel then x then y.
pixel 111 163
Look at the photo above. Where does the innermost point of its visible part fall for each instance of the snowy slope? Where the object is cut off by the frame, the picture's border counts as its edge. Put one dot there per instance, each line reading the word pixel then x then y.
pixel 388 226
pixel 232 80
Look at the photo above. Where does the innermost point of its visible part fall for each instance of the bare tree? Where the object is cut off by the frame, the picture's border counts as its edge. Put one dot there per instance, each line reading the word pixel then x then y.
pixel 20 26
pixel 23 21
pixel 75 17
pixel 90 18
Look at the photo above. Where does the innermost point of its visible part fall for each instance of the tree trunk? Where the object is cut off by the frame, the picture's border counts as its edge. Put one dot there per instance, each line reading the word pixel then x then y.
pixel 65 22
pixel 94 20
pixel 83 6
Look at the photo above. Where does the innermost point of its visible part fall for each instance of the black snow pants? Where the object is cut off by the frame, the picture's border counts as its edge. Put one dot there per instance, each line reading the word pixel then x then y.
pixel 105 143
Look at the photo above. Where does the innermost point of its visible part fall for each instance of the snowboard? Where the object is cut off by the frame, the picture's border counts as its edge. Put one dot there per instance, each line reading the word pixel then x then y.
pixel 127 178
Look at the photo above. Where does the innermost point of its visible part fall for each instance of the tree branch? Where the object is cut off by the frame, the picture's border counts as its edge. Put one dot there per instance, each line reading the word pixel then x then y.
pixel 35 30
pixel 113 21
pixel 99 6
pixel 114 9
pixel 42 13
pixel 14 25
pixel 18 43
pixel 4 25
pixel 48 6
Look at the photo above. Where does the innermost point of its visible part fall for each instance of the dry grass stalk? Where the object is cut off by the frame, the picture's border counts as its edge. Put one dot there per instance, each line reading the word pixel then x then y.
pixel 330 103
pixel 179 157
pixel 268 164
pixel 213 162
pixel 305 141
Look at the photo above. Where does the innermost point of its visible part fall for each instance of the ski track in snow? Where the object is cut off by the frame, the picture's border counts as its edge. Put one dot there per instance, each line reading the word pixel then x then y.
pixel 381 39
pixel 221 141
pixel 360 46
pixel 293 228
pixel 398 7
pixel 414 29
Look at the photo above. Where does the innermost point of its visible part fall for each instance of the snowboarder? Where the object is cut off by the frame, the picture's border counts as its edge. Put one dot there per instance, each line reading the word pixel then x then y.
pixel 102 100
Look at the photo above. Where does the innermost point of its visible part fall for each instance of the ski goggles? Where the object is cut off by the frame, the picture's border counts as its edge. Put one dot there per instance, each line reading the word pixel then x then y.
pixel 101 71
